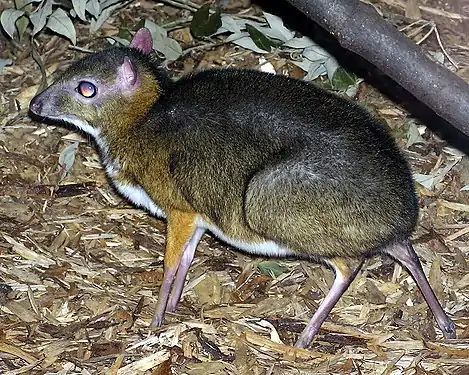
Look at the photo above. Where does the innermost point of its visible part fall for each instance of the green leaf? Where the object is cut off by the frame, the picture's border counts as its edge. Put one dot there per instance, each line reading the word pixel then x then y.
pixel 22 25
pixel 157 32
pixel 161 43
pixel 95 25
pixel 93 7
pixel 173 50
pixel 245 42
pixel 276 24
pixel 39 18
pixel 203 23
pixel 80 8
pixel 23 22
pixel 342 79
pixel 60 23
pixel 113 39
pixel 8 20
pixel 5 62
pixel 259 39
pixel 271 268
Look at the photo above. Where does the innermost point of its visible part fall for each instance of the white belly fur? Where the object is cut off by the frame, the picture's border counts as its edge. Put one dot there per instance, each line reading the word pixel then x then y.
pixel 139 197
pixel 267 248
pixel 134 193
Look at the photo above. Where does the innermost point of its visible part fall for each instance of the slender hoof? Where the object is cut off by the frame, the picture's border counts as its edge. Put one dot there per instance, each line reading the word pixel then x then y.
pixel 301 344
pixel 303 341
pixel 308 334
pixel 449 330
pixel 171 307
pixel 157 321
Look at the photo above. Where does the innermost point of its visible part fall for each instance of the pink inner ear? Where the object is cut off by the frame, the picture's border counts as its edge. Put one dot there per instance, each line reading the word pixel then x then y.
pixel 128 73
pixel 142 41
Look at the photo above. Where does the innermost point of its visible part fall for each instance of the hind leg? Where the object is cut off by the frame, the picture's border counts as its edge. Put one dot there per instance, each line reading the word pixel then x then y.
pixel 405 254
pixel 344 275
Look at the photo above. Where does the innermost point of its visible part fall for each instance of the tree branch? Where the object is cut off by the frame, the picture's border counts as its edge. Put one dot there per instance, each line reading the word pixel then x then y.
pixel 360 29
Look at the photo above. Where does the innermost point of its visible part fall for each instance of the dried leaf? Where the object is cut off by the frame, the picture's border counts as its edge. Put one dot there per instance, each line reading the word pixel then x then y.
pixel 413 135
pixel 145 364
pixel 229 24
pixel 316 53
pixel 288 352
pixel 67 158
pixel 454 205
pixel 412 10
pixel 313 69
pixel 17 352
pixel 26 253
pixel 208 291
pixel 121 41
pixel 21 312
pixel 303 42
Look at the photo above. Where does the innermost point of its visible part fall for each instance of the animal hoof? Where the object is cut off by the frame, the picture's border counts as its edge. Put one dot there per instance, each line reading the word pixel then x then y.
pixel 171 306
pixel 170 309
pixel 449 330
pixel 156 322
pixel 303 342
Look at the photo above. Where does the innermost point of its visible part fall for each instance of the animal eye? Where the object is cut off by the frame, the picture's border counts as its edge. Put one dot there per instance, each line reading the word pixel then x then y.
pixel 86 89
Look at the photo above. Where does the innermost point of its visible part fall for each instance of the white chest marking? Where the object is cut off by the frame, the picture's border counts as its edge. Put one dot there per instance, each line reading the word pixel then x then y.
pixel 83 125
pixel 267 248
pixel 139 197
pixel 134 193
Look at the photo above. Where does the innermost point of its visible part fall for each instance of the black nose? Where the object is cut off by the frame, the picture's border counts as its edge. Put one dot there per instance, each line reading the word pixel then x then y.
pixel 36 105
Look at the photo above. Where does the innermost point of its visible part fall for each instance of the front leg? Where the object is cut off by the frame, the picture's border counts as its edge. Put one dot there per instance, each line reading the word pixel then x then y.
pixel 181 227
pixel 186 261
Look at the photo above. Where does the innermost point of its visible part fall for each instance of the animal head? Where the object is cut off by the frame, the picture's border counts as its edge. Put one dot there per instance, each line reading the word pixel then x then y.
pixel 106 91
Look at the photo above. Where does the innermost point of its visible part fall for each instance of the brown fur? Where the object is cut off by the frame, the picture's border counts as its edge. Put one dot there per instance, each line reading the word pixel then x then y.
pixel 272 165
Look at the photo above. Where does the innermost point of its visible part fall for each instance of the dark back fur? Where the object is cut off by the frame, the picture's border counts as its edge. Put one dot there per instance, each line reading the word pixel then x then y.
pixel 292 162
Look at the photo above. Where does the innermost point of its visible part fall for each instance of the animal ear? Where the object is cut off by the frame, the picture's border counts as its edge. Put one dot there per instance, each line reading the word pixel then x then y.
pixel 128 75
pixel 142 41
